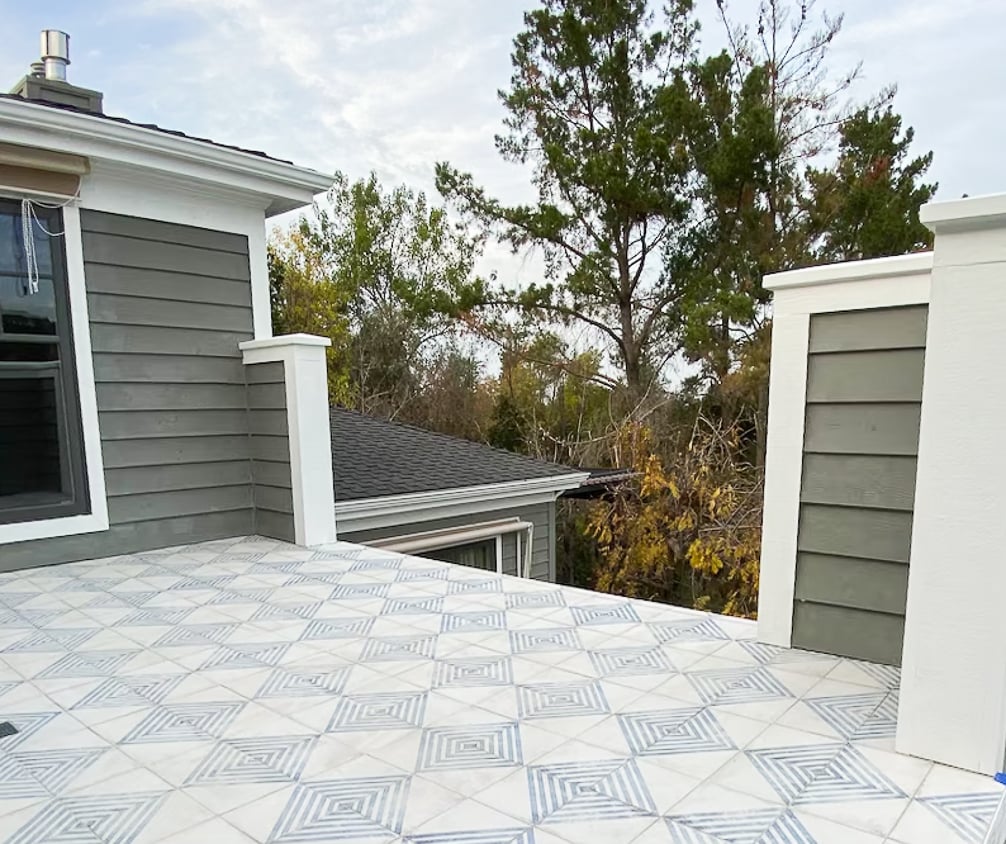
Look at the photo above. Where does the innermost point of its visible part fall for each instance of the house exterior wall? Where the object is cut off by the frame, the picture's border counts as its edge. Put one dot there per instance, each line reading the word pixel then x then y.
pixel 541 515
pixel 272 487
pixel 864 392
pixel 167 306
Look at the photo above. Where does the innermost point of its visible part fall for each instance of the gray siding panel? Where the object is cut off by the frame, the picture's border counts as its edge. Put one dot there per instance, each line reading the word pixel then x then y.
pixel 153 340
pixel 877 376
pixel 853 532
pixel 173 257
pixel 160 284
pixel 864 391
pixel 848 582
pixel 883 328
pixel 270 450
pixel 179 476
pixel 168 306
pixel 850 632
pixel 135 368
pixel 859 481
pixel 862 429
pixel 544 538
pixel 133 310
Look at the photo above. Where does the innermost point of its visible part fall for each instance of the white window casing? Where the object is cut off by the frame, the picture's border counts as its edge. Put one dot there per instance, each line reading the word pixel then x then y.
pixel 435 540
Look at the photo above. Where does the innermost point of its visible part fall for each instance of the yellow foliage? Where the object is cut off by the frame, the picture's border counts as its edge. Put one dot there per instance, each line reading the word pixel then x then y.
pixel 689 532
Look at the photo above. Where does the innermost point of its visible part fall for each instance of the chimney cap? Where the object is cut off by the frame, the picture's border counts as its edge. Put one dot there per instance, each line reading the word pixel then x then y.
pixel 55 53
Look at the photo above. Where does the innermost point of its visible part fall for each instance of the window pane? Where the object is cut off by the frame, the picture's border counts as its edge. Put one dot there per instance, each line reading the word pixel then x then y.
pixel 478 555
pixel 22 312
pixel 12 251
pixel 41 453
pixel 29 436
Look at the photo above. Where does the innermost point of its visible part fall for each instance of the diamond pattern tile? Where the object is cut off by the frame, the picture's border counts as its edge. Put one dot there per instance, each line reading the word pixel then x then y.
pixel 673 731
pixel 343 810
pixel 588 791
pixel 342 696
pixel 477 746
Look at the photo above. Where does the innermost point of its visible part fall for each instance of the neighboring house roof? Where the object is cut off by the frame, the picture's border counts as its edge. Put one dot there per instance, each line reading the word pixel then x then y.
pixel 600 482
pixel 374 458
pixel 152 126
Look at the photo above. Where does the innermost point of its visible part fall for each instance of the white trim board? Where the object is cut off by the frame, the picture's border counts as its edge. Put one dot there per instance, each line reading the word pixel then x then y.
pixel 97 519
pixel 391 510
pixel 282 187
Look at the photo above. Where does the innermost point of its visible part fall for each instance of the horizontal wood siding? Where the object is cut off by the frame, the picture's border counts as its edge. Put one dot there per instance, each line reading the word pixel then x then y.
pixel 864 393
pixel 168 305
pixel 267 422
pixel 538 514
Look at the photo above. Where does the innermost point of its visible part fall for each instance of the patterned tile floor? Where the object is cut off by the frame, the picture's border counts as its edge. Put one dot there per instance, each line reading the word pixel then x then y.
pixel 252 691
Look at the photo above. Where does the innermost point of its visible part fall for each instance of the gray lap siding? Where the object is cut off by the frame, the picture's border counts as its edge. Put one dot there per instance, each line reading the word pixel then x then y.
pixel 864 392
pixel 167 306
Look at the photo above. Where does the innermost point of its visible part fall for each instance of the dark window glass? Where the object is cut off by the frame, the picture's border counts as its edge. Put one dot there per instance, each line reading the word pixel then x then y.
pixel 41 456
pixel 477 555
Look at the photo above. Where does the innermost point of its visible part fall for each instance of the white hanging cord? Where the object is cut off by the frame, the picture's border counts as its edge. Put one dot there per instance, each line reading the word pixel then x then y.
pixel 30 221
pixel 28 240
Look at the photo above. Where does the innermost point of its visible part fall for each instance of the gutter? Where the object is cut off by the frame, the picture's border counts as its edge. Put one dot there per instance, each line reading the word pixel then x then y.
pixel 393 510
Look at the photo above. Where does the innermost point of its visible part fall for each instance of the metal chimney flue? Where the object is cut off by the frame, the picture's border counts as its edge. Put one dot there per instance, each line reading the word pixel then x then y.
pixel 55 53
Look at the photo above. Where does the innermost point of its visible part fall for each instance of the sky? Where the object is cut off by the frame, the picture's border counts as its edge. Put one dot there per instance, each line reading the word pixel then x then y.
pixel 393 86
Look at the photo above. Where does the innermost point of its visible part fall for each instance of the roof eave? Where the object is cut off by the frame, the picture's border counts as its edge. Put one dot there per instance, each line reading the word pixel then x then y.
pixel 410 508
pixel 281 187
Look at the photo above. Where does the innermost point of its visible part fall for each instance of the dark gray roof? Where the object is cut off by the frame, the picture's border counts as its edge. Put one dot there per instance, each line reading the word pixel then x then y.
pixel 373 458
pixel 152 126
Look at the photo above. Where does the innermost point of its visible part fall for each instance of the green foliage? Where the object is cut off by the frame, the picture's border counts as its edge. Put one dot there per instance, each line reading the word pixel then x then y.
pixel 596 106
pixel 305 299
pixel 867 205
pixel 385 275
pixel 506 429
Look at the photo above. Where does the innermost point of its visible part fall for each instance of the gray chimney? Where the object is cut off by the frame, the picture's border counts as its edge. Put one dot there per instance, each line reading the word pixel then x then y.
pixel 46 80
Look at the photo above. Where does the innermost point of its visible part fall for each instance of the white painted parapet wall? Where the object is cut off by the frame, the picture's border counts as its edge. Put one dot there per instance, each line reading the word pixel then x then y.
pixel 309 427
pixel 953 688
pixel 857 285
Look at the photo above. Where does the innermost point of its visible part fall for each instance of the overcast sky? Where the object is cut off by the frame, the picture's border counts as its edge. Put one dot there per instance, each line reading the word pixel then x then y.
pixel 396 85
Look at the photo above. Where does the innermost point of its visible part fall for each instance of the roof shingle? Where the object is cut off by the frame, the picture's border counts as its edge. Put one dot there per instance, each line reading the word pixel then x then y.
pixel 373 458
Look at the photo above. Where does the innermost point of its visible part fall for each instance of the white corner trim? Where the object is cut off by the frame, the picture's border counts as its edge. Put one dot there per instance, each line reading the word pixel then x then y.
pixel 392 510
pixel 783 471
pixel 306 378
pixel 97 519
pixel 285 185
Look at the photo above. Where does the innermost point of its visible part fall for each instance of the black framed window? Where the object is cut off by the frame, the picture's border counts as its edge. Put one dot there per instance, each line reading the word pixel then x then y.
pixel 41 454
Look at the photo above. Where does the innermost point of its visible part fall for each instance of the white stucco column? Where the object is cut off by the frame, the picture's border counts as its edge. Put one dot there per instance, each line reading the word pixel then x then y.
pixel 303 358
pixel 953 688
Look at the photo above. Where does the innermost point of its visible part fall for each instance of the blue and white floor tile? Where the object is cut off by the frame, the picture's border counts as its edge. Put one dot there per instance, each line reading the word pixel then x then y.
pixel 247 691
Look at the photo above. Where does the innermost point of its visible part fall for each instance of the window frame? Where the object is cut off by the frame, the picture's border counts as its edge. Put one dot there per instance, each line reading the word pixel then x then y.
pixel 91 513
pixel 69 432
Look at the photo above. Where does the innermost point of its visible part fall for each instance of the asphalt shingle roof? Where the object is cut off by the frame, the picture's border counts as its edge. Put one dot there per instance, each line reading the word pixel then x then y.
pixel 373 458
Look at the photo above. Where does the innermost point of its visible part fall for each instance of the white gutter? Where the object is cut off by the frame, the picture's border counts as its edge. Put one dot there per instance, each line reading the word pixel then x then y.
pixel 34 125
pixel 393 510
